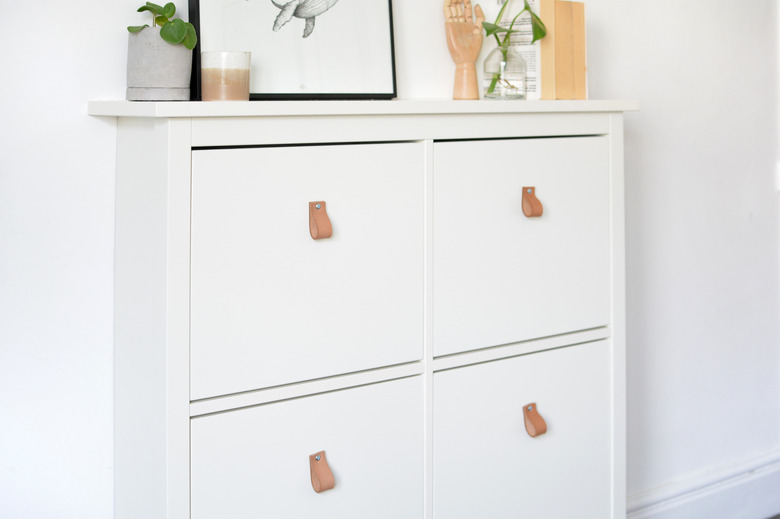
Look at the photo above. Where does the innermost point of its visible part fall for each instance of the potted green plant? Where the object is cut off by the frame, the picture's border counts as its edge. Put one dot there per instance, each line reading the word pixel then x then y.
pixel 159 57
pixel 504 69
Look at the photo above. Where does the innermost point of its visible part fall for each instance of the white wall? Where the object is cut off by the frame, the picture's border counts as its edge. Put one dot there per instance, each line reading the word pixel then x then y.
pixel 56 256
pixel 702 215
pixel 702 244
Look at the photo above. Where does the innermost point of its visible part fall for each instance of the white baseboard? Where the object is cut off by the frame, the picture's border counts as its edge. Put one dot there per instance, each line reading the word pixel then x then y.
pixel 749 490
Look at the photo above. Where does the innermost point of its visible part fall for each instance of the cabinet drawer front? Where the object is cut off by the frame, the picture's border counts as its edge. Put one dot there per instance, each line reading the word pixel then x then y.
pixel 270 305
pixel 487 465
pixel 501 277
pixel 254 462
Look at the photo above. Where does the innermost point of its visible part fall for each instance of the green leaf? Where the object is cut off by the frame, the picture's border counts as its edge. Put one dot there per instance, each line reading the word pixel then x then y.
pixel 537 26
pixel 161 20
pixel 492 28
pixel 149 8
pixel 191 39
pixel 154 7
pixel 136 28
pixel 175 31
pixel 169 10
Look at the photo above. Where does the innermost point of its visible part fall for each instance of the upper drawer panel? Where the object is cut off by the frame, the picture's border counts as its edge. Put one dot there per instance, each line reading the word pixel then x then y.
pixel 501 277
pixel 270 305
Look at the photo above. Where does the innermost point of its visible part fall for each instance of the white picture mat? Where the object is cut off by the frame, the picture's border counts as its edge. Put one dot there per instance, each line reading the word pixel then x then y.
pixel 349 51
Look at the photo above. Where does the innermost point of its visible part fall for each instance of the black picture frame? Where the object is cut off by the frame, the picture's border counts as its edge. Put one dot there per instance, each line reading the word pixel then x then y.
pixel 329 76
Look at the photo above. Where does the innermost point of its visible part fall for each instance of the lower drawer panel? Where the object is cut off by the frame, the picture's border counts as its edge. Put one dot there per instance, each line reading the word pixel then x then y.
pixel 254 462
pixel 487 465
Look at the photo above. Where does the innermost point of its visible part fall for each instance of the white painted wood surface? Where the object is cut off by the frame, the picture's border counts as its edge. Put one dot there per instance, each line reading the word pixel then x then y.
pixel 255 462
pixel 160 318
pixel 342 108
pixel 151 320
pixel 270 305
pixel 486 464
pixel 502 277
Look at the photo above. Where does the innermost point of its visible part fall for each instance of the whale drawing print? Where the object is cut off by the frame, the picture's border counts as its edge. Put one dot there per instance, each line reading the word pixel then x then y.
pixel 306 9
pixel 346 51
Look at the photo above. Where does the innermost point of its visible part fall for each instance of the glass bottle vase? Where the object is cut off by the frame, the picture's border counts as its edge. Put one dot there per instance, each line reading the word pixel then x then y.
pixel 504 74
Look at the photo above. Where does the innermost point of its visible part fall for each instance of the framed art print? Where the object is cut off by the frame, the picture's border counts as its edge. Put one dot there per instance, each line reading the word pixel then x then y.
pixel 302 49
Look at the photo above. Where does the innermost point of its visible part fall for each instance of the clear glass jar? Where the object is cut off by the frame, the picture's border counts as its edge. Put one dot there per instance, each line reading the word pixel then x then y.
pixel 505 75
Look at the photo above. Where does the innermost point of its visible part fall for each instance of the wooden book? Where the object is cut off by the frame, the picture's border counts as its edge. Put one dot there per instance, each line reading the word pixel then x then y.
pixel 570 51
pixel 547 44
pixel 580 66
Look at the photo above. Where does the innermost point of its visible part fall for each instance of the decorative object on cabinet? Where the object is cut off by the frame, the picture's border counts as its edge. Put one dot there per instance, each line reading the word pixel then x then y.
pixel 505 69
pixel 464 40
pixel 303 49
pixel 571 80
pixel 225 75
pixel 407 342
pixel 159 58
pixel 504 74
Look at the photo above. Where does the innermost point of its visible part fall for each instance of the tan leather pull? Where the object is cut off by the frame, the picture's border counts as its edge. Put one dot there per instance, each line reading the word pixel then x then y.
pixel 321 476
pixel 534 423
pixel 319 223
pixel 531 205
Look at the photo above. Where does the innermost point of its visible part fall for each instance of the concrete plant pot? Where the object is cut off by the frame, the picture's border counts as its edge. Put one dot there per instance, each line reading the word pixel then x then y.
pixel 156 69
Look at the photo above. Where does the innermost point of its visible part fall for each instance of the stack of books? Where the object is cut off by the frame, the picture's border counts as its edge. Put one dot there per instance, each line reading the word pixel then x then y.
pixel 556 64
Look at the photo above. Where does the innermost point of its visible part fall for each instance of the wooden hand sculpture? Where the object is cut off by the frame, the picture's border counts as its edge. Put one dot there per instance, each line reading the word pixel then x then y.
pixel 464 40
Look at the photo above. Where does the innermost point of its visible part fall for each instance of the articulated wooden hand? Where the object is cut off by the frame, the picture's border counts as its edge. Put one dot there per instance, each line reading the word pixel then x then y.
pixel 464 39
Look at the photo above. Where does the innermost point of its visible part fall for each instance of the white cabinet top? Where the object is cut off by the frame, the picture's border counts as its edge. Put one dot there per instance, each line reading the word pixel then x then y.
pixel 192 109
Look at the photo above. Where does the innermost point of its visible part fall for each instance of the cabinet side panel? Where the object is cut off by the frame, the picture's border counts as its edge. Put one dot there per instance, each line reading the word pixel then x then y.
pixel 618 319
pixel 140 321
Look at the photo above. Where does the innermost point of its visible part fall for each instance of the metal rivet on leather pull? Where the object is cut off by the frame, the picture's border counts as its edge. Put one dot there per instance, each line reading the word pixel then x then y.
pixel 321 475
pixel 534 423
pixel 532 207
pixel 319 223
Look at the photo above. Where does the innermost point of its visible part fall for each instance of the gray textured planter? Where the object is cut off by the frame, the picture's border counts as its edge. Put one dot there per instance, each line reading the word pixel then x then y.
pixel 156 69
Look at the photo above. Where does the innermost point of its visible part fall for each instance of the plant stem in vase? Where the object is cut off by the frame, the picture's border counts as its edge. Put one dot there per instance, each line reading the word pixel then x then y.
pixel 504 68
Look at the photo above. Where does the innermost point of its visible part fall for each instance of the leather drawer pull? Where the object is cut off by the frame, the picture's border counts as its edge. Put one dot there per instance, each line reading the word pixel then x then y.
pixel 531 205
pixel 319 223
pixel 534 423
pixel 321 476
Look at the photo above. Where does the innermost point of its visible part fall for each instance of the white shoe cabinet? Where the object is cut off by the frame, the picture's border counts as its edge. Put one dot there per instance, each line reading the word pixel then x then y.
pixel 405 345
